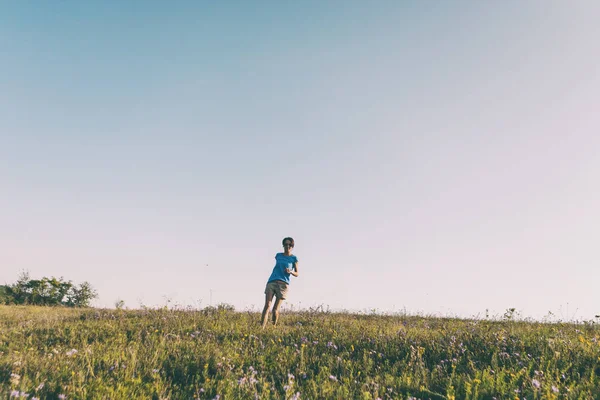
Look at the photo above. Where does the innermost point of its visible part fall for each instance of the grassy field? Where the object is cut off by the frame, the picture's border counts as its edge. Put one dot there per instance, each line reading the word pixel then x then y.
pixel 55 353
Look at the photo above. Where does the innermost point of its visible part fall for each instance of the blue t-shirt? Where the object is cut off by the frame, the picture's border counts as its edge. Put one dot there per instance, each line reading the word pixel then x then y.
pixel 281 263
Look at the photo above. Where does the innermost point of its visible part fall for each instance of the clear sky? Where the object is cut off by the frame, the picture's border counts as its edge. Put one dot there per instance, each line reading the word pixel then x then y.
pixel 438 157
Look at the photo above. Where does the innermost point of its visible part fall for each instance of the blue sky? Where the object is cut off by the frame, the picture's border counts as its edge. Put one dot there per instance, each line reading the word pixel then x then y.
pixel 435 158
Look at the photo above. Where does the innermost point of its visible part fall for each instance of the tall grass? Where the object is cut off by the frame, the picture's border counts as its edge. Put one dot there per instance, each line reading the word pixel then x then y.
pixel 51 353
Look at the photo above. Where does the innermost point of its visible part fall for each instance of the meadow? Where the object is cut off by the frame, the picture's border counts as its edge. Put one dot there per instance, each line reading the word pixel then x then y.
pixel 217 353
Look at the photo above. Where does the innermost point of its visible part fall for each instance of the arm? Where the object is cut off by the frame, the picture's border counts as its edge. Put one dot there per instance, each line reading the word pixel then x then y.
pixel 295 270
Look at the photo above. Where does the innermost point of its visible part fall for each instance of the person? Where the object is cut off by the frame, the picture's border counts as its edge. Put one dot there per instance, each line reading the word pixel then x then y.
pixel 286 264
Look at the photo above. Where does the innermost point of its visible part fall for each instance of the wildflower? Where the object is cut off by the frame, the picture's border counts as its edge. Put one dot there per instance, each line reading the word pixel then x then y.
pixel 155 371
pixel 295 396
pixel 217 397
pixel 40 386
pixel 23 394
pixel 201 390
pixel 72 352
pixel 291 376
pixel 15 378
pixel 554 389
pixel 535 383
pixel 14 393
pixel 286 387
pixel 62 397
pixel 333 378
pixel 35 398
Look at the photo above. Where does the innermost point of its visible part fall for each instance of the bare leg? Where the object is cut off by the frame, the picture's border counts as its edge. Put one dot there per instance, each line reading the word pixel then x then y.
pixel 276 310
pixel 265 313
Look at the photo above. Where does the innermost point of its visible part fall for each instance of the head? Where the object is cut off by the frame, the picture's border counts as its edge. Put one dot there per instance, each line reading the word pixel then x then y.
pixel 288 244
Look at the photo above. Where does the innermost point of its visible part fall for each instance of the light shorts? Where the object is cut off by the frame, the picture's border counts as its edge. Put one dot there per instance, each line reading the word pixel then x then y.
pixel 278 288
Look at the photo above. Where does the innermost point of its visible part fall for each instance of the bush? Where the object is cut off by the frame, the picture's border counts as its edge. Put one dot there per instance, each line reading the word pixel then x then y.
pixel 47 292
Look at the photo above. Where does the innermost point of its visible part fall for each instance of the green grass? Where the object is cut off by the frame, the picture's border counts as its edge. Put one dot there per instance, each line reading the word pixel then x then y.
pixel 166 354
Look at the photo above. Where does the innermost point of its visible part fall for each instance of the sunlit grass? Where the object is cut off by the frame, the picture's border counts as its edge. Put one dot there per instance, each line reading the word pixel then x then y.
pixel 173 354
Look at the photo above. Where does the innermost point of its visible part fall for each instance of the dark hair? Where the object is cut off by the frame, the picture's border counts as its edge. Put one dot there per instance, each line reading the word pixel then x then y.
pixel 289 239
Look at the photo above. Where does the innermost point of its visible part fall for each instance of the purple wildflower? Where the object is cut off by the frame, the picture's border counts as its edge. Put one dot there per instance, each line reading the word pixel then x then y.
pixel 72 352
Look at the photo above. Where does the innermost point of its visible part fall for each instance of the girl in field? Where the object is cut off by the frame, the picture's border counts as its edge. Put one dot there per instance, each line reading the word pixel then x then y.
pixel 286 264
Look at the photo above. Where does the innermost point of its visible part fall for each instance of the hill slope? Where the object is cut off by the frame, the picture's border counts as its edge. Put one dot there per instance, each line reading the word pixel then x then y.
pixel 165 354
